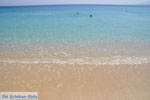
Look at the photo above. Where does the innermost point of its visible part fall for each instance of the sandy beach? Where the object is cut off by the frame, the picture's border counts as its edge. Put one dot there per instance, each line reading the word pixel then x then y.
pixel 77 82
pixel 76 73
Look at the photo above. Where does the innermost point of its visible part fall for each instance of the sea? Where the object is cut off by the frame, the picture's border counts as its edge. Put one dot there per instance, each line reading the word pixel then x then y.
pixel 115 34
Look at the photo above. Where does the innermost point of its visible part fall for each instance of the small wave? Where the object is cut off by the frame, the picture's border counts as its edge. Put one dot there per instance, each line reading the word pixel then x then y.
pixel 116 60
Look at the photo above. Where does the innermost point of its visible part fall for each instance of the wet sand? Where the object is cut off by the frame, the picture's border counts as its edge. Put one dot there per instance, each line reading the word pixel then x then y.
pixel 77 81
pixel 77 72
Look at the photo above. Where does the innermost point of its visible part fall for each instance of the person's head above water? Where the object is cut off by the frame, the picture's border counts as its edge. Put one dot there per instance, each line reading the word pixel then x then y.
pixel 91 15
pixel 77 13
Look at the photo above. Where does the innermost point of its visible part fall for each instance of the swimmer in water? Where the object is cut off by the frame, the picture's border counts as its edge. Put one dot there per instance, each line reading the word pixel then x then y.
pixel 77 13
pixel 91 16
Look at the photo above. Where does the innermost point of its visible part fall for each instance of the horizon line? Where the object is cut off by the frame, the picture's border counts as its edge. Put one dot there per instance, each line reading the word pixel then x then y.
pixel 75 4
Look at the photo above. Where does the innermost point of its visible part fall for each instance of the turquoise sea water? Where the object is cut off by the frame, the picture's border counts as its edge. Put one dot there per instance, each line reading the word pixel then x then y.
pixel 56 34
pixel 60 24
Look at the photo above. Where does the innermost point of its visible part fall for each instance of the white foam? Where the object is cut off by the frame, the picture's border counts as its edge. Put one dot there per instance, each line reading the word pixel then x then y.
pixel 114 60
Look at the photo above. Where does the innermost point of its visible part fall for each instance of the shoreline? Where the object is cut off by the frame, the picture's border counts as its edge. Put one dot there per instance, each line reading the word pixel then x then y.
pixel 114 60
pixel 77 72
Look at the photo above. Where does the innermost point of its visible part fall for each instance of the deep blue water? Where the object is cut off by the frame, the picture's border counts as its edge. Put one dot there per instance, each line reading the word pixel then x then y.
pixel 61 24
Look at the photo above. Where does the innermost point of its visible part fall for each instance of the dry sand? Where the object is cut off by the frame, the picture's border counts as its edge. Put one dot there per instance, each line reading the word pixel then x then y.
pixel 77 81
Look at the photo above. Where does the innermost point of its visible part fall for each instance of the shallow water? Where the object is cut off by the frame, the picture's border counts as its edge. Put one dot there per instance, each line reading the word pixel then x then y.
pixel 111 31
